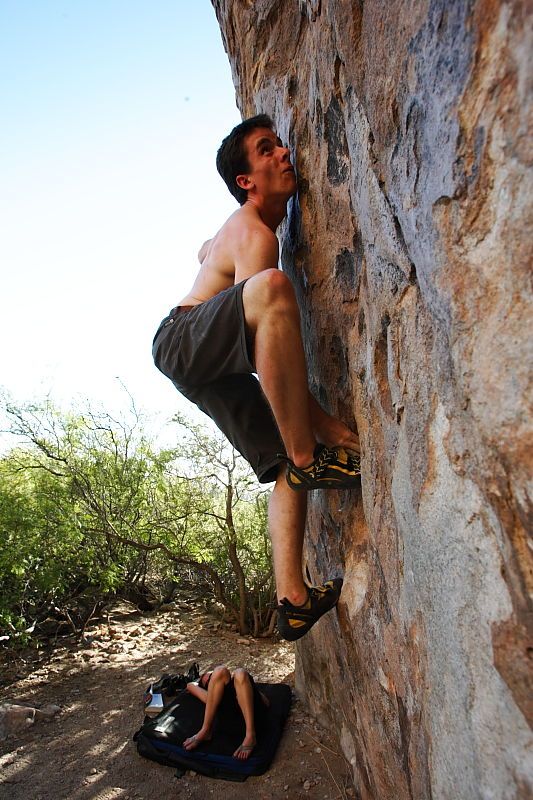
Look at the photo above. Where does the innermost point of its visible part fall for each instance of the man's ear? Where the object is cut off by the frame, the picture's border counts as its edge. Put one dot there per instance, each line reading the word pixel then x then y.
pixel 244 182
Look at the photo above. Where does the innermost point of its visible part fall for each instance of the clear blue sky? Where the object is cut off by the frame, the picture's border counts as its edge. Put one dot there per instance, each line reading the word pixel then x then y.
pixel 112 112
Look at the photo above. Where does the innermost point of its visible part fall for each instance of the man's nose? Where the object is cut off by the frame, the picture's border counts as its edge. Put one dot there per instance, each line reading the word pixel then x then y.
pixel 285 153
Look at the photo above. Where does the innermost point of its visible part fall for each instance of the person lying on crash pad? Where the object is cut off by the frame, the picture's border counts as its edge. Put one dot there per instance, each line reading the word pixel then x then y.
pixel 226 696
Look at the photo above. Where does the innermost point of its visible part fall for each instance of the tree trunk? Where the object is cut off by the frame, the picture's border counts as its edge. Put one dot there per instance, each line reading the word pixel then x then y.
pixel 236 564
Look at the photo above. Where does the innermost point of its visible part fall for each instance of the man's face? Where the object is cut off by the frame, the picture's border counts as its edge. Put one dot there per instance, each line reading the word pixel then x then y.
pixel 270 169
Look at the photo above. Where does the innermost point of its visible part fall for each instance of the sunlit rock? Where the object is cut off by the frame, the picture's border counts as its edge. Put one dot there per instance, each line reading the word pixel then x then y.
pixel 408 247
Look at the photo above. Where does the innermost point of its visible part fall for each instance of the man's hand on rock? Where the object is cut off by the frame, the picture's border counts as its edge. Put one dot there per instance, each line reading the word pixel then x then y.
pixel 331 431
pixel 335 432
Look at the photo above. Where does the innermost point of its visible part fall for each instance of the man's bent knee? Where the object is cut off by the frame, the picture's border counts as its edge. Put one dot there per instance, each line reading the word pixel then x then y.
pixel 268 287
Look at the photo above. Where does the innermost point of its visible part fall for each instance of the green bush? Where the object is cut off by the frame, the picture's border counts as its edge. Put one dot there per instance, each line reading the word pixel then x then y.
pixel 90 510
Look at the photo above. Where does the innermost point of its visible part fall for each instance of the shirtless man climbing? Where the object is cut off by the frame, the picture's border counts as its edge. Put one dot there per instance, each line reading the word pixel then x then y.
pixel 241 317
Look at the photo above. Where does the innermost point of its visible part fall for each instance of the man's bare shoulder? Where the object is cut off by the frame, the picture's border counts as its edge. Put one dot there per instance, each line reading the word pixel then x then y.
pixel 245 225
pixel 243 246
pixel 254 246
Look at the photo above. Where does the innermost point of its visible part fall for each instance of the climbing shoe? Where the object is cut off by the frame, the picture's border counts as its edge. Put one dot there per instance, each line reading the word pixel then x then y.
pixel 332 468
pixel 295 621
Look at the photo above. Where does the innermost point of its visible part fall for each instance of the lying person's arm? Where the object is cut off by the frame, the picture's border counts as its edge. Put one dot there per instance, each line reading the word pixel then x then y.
pixel 197 691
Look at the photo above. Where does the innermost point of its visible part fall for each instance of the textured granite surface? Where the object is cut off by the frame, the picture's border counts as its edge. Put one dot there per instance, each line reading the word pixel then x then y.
pixel 408 246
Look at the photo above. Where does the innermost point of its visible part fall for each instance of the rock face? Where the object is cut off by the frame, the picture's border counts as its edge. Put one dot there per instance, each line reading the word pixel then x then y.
pixel 407 122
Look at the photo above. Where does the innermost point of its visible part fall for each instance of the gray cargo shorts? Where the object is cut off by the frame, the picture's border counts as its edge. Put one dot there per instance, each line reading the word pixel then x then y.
pixel 205 353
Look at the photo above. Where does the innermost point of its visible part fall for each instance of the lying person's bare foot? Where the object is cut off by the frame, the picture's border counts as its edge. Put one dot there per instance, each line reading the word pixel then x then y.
pixel 244 750
pixel 198 738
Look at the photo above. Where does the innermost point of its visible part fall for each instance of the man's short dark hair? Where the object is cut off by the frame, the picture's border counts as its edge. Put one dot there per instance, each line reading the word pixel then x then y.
pixel 231 156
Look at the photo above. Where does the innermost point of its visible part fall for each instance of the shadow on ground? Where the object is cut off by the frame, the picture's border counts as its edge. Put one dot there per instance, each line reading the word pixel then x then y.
pixel 87 752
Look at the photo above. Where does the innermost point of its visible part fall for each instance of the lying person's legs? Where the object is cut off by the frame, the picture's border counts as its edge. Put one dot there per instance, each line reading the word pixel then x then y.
pixel 245 698
pixel 219 680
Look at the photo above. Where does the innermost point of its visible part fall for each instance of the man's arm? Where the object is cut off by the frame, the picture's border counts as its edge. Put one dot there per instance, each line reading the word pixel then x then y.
pixel 256 250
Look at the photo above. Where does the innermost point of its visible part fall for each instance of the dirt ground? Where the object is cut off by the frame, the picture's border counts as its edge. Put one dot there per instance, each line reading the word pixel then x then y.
pixel 86 752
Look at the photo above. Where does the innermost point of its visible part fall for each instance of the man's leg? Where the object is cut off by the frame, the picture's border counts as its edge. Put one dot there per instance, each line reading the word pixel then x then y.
pixel 286 521
pixel 215 691
pixel 299 606
pixel 273 318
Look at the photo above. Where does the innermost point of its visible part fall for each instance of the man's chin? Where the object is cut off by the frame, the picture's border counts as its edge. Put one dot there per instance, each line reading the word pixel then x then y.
pixel 289 191
pixel 293 190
